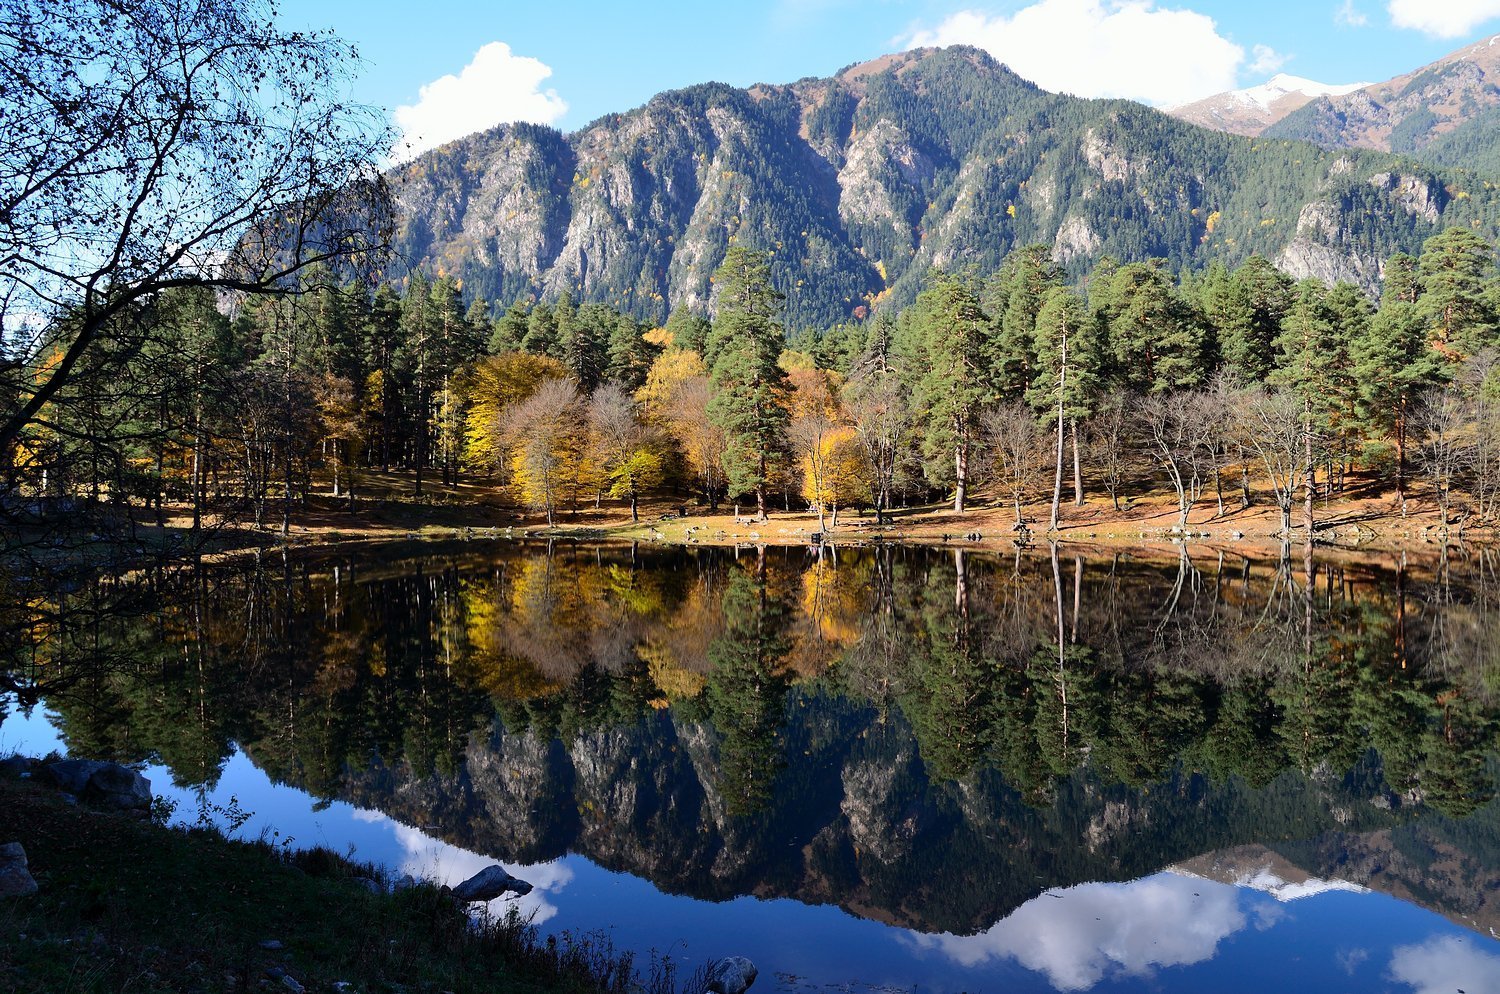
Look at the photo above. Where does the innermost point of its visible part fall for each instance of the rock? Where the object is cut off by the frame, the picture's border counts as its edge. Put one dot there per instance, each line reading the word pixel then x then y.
pixel 373 886
pixel 732 975
pixel 407 882
pixel 271 945
pixel 489 883
pixel 287 980
pixel 15 877
pixel 107 785
pixel 15 766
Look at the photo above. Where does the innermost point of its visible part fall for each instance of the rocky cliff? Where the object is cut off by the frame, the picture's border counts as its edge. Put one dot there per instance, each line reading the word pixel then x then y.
pixel 859 184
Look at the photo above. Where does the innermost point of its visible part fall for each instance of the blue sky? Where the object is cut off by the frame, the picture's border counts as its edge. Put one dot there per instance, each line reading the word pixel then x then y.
pixel 566 63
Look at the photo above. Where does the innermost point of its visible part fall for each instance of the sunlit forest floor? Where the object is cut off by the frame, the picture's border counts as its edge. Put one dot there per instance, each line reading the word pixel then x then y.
pixel 1362 519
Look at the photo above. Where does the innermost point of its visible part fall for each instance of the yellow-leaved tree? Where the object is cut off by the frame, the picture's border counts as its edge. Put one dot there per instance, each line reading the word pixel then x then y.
pixel 491 390
pixel 835 472
pixel 675 397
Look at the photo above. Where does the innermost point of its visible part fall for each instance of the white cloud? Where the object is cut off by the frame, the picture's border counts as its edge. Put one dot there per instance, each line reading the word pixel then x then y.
pixel 1081 935
pixel 427 858
pixel 1445 964
pixel 496 87
pixel 1442 18
pixel 1267 60
pixel 1102 48
pixel 1350 16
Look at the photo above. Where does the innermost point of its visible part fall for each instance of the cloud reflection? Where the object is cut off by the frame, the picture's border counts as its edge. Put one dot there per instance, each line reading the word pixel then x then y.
pixel 1444 964
pixel 433 859
pixel 1079 935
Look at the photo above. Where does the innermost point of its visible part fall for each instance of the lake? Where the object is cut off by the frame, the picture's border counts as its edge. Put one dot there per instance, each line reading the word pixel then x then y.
pixel 889 768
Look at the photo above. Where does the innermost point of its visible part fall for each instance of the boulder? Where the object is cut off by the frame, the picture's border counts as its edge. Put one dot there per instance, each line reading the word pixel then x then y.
pixel 732 975
pixel 489 883
pixel 107 785
pixel 15 767
pixel 15 877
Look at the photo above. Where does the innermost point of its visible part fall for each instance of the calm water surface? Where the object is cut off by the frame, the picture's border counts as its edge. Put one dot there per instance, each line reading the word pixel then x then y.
pixel 866 770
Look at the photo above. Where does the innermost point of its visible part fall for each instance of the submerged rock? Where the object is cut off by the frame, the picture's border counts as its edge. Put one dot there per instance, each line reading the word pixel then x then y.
pixel 732 975
pixel 489 883
pixel 15 876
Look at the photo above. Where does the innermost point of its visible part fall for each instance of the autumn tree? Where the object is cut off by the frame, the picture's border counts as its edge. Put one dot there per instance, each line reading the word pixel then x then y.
pixel 628 455
pixel 545 435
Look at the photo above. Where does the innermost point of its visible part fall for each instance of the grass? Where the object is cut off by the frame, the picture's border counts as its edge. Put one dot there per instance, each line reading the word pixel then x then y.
pixel 126 905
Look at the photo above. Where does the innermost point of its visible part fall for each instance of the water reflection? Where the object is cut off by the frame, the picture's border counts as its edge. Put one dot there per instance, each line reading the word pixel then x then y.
pixel 1445 964
pixel 1077 936
pixel 935 740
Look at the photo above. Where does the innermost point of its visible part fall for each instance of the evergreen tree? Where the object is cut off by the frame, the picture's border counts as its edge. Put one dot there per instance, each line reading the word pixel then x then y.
pixel 1453 268
pixel 1393 365
pixel 510 330
pixel 1156 342
pixel 950 377
pixel 1066 378
pixel 750 387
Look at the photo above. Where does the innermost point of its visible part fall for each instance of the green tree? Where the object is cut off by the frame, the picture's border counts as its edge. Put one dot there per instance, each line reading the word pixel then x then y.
pixel 1452 271
pixel 750 387
pixel 945 349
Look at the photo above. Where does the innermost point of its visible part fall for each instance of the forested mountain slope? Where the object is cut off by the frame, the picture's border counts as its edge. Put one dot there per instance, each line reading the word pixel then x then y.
pixel 862 182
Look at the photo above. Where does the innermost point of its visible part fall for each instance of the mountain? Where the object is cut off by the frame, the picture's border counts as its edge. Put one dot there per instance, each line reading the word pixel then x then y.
pixel 1446 113
pixel 859 184
pixel 1251 111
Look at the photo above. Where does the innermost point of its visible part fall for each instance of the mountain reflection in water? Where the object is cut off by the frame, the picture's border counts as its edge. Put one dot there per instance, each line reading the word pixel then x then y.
pixel 998 757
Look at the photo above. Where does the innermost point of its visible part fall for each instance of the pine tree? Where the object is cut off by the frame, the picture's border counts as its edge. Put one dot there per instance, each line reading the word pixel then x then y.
pixel 1156 342
pixel 1066 378
pixel 1453 268
pixel 1307 337
pixel 1393 364
pixel 750 387
pixel 945 346
pixel 510 330
pixel 1247 314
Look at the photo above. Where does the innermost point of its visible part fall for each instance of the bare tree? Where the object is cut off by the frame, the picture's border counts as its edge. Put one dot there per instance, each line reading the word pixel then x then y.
pixel 703 441
pixel 884 423
pixel 1176 430
pixel 1109 438
pixel 622 443
pixel 1442 423
pixel 1018 447
pixel 1271 424
pixel 157 144
pixel 1477 380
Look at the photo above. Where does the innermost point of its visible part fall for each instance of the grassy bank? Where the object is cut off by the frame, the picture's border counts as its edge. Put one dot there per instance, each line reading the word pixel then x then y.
pixel 129 905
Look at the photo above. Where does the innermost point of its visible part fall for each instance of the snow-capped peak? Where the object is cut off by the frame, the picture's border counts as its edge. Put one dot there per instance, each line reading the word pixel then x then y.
pixel 1282 84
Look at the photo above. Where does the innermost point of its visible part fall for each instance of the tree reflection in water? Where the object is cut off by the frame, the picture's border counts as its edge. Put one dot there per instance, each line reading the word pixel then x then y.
pixel 931 737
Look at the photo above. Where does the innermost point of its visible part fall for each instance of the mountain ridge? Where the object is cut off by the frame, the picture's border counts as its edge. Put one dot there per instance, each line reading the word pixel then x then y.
pixel 860 183
pixel 1251 110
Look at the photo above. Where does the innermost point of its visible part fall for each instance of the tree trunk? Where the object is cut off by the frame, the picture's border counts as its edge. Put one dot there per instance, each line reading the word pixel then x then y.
pixel 1310 487
pixel 1062 385
pixel 1077 469
pixel 1401 455
pixel 961 471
